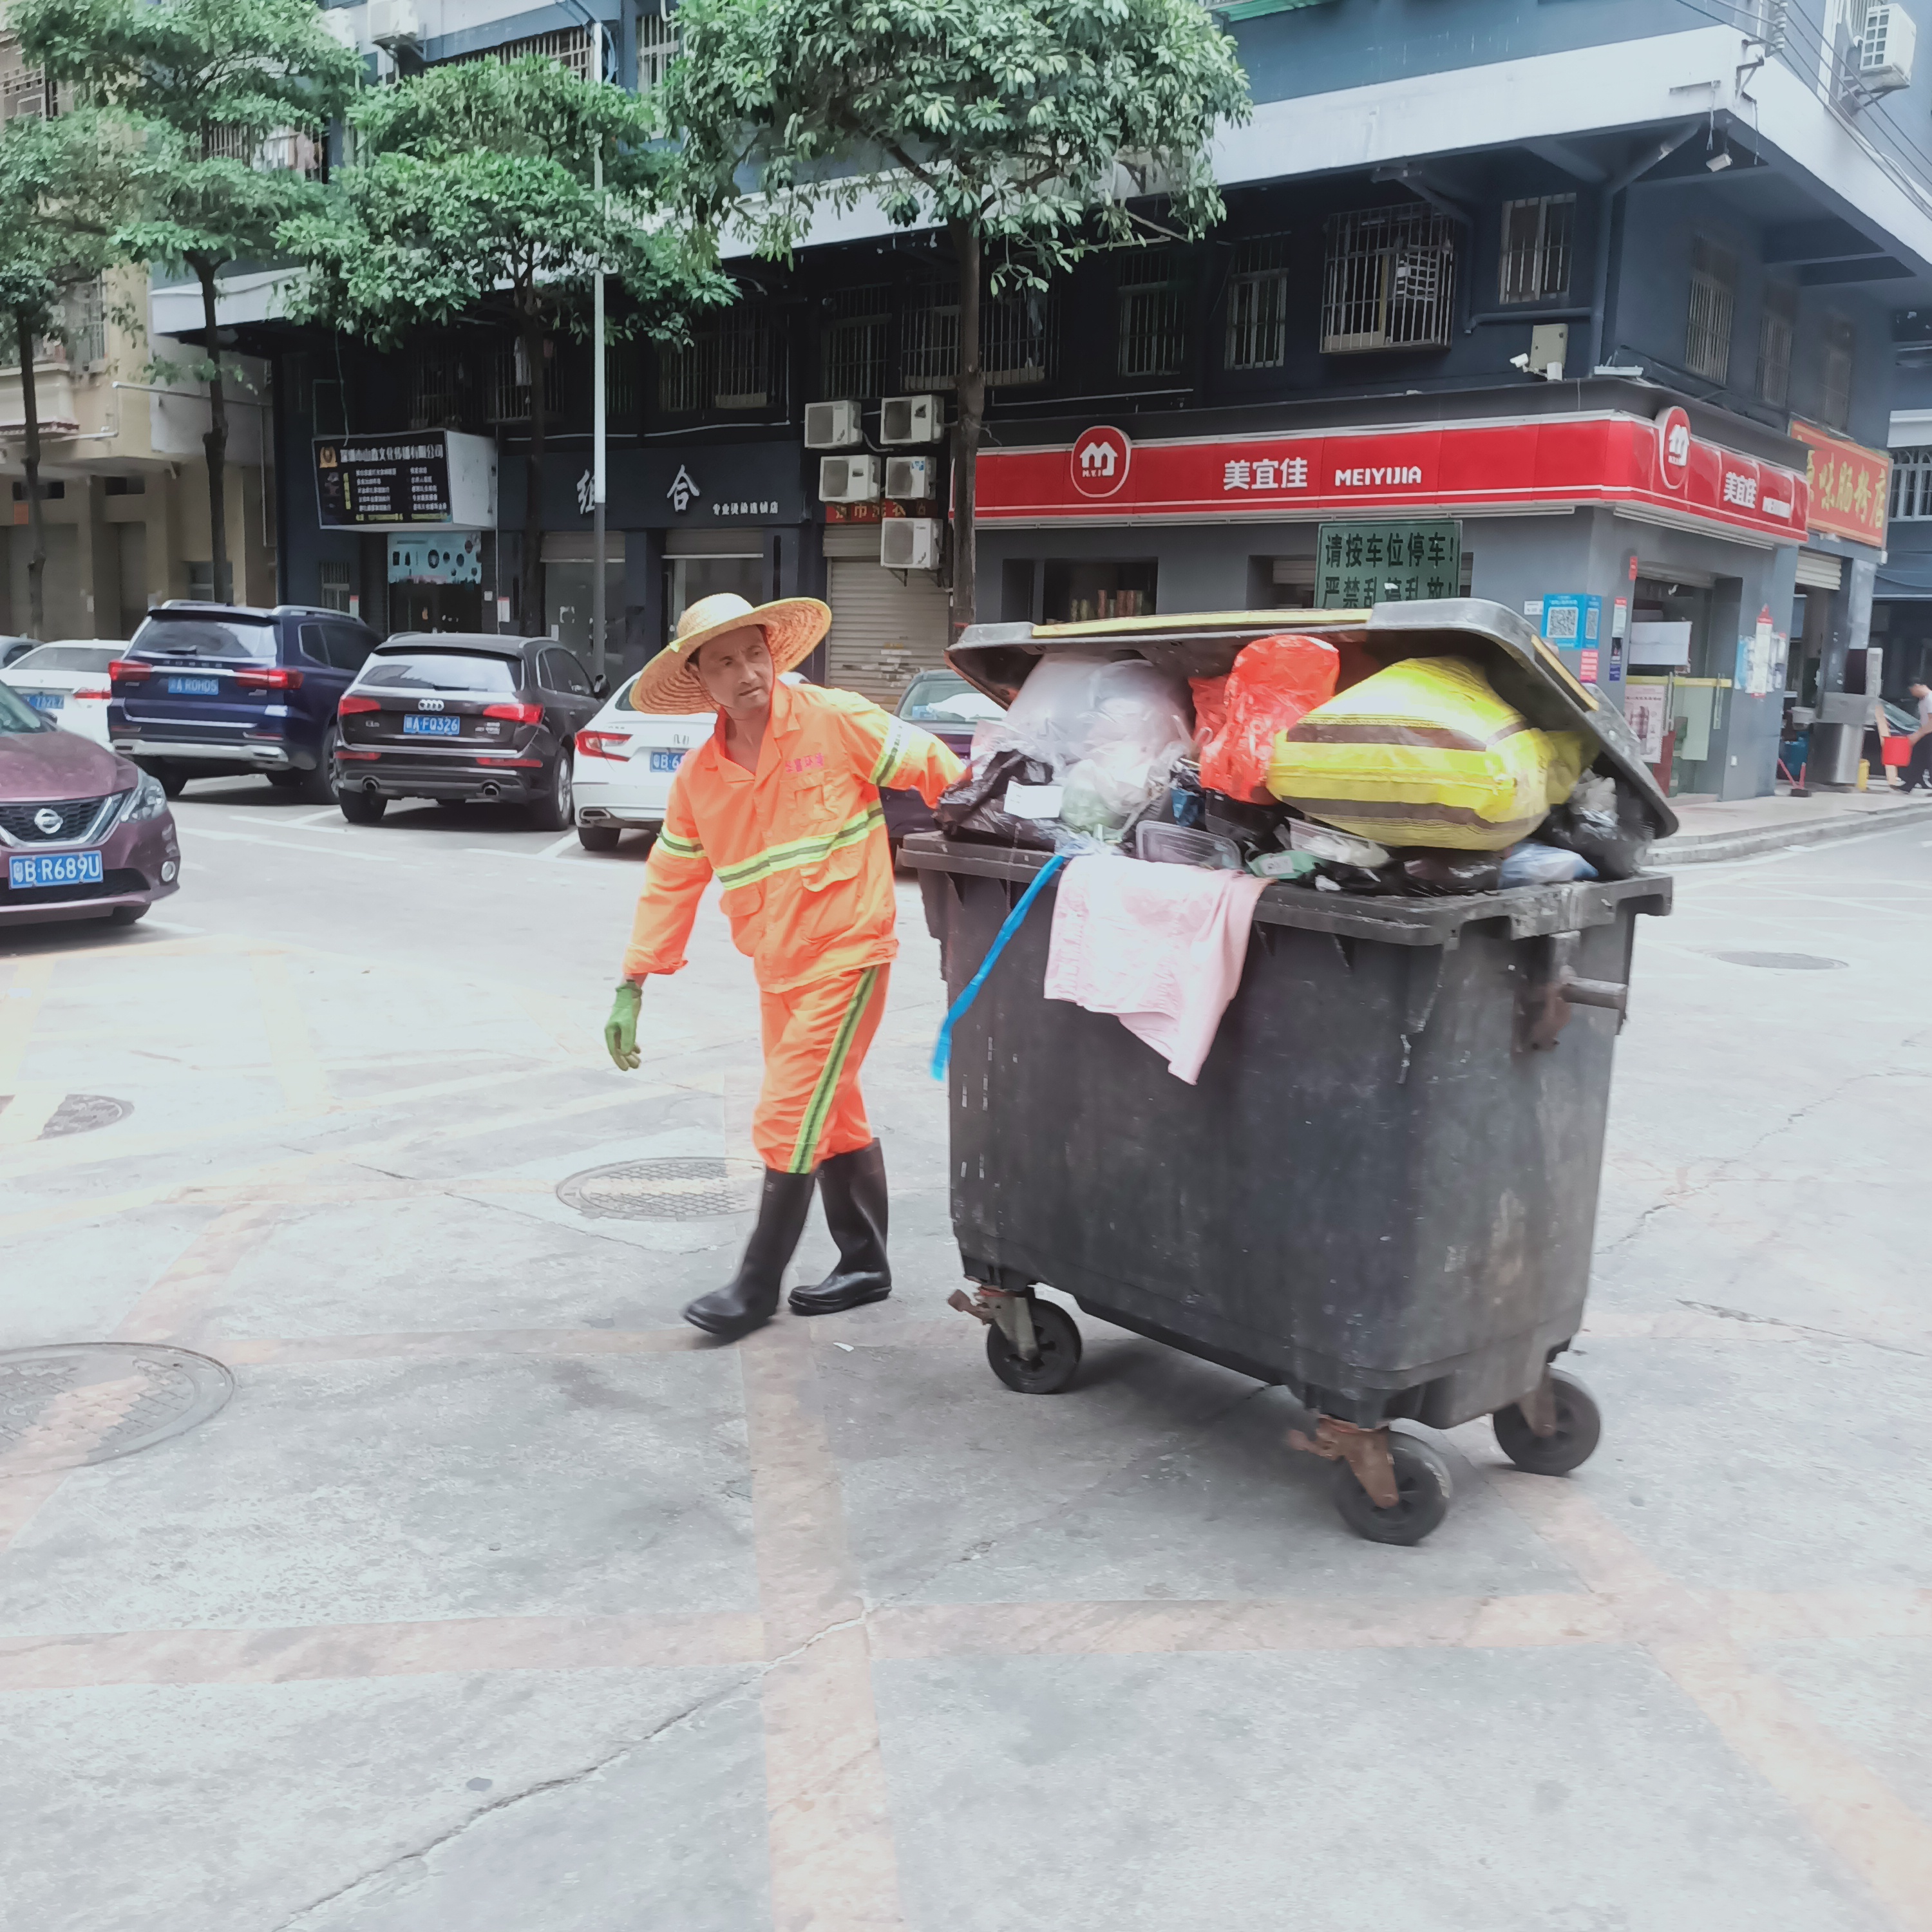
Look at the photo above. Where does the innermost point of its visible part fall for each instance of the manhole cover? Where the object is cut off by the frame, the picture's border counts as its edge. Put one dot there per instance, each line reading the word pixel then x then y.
pixel 692 1189
pixel 1781 962
pixel 80 1113
pixel 89 1402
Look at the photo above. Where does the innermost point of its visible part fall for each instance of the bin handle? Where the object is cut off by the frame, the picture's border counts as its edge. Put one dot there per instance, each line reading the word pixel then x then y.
pixel 942 1048
pixel 1551 998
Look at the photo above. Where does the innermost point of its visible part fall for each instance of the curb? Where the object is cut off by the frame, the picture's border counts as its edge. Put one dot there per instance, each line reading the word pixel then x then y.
pixel 1713 846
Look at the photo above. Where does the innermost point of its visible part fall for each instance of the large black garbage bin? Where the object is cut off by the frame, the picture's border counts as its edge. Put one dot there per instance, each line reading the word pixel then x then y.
pixel 1381 1193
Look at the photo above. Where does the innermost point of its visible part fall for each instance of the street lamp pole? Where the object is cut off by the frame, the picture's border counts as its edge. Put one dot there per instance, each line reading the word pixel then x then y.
pixel 597 434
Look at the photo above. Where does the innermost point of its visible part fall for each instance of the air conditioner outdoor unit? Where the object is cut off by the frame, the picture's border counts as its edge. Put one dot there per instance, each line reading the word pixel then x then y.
pixel 909 543
pixel 1883 58
pixel 911 418
pixel 910 479
pixel 395 23
pixel 848 479
pixel 336 23
pixel 832 425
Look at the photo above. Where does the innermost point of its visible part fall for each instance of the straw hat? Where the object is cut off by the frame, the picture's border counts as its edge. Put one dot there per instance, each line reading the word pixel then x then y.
pixel 669 684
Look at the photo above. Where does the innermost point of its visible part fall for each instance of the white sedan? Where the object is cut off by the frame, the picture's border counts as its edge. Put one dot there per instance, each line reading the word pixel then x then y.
pixel 68 682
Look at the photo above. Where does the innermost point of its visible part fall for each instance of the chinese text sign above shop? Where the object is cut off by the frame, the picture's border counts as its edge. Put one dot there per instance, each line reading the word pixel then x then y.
pixel 1561 462
pixel 1357 565
pixel 405 482
pixel 1851 486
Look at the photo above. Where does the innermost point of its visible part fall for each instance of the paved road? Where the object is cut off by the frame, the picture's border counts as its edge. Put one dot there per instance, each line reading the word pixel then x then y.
pixel 493 1600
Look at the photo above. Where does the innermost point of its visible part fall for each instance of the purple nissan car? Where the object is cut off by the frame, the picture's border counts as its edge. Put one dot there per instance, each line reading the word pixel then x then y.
pixel 84 833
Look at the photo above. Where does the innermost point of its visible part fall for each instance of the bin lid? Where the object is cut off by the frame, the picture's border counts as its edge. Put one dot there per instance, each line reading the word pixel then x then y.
pixel 1526 672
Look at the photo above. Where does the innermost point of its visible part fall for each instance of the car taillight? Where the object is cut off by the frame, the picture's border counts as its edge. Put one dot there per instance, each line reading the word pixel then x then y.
pixel 270 677
pixel 518 714
pixel 129 670
pixel 352 704
pixel 96 691
pixel 602 744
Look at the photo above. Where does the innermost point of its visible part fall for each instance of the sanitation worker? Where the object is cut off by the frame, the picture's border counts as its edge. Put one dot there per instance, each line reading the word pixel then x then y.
pixel 780 805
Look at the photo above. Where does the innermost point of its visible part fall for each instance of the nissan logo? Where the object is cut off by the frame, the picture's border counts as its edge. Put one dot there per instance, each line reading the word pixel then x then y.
pixel 47 820
pixel 429 704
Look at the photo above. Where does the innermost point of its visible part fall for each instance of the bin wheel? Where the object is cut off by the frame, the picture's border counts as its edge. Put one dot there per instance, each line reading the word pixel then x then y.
pixel 1579 1427
pixel 1059 1339
pixel 1422 1483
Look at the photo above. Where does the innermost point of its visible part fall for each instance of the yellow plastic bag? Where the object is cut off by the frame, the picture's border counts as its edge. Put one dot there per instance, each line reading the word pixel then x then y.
pixel 1425 753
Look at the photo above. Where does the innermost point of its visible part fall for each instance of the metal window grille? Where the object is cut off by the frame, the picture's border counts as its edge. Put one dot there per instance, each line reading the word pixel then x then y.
pixel 510 385
pixel 86 306
pixel 227 144
pixel 1152 313
pixel 620 379
pixel 1775 334
pixel 657 48
pixel 568 46
pixel 1390 280
pixel 333 594
pixel 1912 485
pixel 1537 238
pixel 852 343
pixel 442 386
pixel 1257 304
pixel 1707 335
pixel 1017 337
pixel 1834 386
pixel 727 365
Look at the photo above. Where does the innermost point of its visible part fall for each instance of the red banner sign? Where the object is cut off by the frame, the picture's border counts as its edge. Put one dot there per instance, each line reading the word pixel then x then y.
pixel 1560 462
pixel 1851 486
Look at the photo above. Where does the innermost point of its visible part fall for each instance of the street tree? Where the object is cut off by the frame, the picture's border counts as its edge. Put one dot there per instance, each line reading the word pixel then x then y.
pixel 473 195
pixel 1028 130
pixel 230 100
pixel 63 189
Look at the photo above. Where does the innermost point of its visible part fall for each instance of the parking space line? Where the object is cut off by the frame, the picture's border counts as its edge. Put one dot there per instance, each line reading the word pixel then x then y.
pixel 299 851
pixel 20 1012
pixel 32 1104
pixel 562 844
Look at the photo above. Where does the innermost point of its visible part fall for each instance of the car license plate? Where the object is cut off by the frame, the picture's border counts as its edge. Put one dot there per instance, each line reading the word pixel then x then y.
pixel 53 869
pixel 666 761
pixel 414 727
pixel 194 687
pixel 46 700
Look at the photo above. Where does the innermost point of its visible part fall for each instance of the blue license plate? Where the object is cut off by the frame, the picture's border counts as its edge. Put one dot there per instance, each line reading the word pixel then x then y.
pixel 53 869
pixel 666 761
pixel 46 700
pixel 194 687
pixel 414 727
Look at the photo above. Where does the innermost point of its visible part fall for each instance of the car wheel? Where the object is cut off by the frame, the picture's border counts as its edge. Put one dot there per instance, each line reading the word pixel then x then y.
pixel 319 785
pixel 285 781
pixel 170 777
pixel 597 838
pixel 557 808
pixel 362 808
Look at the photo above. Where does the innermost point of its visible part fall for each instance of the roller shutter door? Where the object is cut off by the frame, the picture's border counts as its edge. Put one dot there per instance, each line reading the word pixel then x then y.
pixel 882 631
pixel 1817 570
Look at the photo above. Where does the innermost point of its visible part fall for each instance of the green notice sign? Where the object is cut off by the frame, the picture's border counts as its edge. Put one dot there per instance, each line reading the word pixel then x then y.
pixel 1361 564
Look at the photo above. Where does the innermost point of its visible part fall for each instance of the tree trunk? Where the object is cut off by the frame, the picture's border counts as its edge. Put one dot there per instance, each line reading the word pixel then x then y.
pixel 532 332
pixel 215 443
pixel 972 393
pixel 30 461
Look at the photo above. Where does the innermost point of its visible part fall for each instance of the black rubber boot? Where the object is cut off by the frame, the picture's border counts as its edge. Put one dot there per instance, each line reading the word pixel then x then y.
pixel 852 1186
pixel 751 1298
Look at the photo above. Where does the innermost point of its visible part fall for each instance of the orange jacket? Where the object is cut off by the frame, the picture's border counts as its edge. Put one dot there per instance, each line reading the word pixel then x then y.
pixel 799 846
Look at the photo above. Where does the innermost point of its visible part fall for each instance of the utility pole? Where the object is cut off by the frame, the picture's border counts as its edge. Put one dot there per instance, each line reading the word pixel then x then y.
pixel 597 423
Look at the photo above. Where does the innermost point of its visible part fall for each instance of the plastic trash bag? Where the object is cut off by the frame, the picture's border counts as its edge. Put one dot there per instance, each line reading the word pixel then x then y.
pixel 1605 822
pixel 1534 864
pixel 1323 841
pixel 1115 785
pixel 1074 705
pixel 970 808
pixel 1425 753
pixel 1450 875
pixel 1275 682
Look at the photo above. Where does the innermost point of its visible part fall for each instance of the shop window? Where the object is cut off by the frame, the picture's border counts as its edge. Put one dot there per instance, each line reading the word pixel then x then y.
pixel 1257 304
pixel 1079 592
pixel 727 365
pixel 688 579
pixel 1536 247
pixel 333 595
pixel 1707 336
pixel 1912 485
pixel 1775 334
pixel 1390 281
pixel 852 342
pixel 1151 311
pixel 1017 334
pixel 509 400
pixel 1834 383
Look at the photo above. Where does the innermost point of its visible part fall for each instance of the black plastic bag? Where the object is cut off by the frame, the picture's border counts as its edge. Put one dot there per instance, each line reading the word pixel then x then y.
pixel 1443 874
pixel 971 809
pixel 1604 821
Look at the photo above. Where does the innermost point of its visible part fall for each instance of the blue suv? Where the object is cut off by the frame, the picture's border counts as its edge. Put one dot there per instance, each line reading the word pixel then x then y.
pixel 206 690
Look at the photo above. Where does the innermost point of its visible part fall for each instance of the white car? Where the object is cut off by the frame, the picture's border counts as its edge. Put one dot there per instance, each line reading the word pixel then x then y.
pixel 68 681
pixel 625 762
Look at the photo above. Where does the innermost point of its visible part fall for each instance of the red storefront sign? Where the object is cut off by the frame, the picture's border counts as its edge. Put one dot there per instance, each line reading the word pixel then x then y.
pixel 1558 463
pixel 1851 486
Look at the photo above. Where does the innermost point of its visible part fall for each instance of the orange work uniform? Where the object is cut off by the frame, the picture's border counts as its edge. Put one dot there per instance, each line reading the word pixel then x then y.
pixel 800 847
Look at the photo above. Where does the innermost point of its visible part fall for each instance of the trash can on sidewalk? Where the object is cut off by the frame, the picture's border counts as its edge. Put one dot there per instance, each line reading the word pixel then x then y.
pixel 1381 1193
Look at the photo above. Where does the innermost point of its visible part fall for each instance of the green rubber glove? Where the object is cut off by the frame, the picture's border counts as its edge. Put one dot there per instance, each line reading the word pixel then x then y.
pixel 620 1030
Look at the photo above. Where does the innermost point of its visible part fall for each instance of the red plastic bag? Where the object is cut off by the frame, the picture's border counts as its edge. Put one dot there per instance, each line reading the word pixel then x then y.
pixel 1897 750
pixel 1210 706
pixel 1275 682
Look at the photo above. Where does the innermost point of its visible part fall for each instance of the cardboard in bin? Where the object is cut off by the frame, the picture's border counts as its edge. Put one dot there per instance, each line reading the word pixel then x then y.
pixel 1525 672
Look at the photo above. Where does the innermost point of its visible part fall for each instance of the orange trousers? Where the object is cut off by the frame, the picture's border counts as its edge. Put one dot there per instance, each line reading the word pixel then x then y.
pixel 815 1037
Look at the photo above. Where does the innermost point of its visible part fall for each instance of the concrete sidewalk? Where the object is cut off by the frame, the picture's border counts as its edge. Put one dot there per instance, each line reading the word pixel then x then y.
pixel 1715 829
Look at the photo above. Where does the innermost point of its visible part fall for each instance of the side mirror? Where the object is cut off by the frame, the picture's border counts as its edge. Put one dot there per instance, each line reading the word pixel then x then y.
pixel 600 687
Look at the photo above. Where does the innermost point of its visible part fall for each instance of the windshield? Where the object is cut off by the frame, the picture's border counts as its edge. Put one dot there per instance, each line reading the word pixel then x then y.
pixel 67 657
pixel 438 671
pixel 945 699
pixel 166 634
pixel 17 714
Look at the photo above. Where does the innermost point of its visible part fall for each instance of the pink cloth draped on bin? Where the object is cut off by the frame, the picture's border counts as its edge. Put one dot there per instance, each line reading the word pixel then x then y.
pixel 1160 947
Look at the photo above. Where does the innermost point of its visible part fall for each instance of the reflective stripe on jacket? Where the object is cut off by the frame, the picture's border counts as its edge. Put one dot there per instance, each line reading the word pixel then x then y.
pixel 798 847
